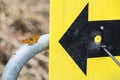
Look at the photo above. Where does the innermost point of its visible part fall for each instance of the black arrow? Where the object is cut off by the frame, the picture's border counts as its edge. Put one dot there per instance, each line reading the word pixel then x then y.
pixel 78 40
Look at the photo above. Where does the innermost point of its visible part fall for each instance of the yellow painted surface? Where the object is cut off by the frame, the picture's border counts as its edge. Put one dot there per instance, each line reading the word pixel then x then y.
pixel 62 15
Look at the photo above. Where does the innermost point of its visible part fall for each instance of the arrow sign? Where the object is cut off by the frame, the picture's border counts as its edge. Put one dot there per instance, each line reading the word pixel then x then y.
pixel 84 39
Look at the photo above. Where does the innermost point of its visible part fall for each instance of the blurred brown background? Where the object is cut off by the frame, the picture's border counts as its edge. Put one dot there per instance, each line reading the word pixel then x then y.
pixel 20 19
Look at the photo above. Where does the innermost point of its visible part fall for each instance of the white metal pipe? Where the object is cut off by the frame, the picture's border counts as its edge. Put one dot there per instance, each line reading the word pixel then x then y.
pixel 22 55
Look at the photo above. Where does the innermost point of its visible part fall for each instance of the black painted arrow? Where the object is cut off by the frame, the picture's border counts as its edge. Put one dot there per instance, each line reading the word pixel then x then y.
pixel 78 40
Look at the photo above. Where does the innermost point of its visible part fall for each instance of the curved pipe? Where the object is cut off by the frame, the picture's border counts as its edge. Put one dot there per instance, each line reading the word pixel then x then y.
pixel 22 55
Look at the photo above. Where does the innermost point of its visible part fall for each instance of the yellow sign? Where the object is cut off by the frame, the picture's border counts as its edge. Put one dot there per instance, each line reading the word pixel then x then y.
pixel 74 26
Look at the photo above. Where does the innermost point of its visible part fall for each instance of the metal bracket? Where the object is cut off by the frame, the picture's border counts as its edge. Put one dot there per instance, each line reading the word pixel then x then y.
pixel 110 54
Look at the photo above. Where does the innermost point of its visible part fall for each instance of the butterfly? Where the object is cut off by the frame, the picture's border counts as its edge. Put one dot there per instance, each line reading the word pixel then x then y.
pixel 32 40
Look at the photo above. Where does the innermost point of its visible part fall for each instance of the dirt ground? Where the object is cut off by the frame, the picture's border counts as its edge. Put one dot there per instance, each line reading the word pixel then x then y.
pixel 20 19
